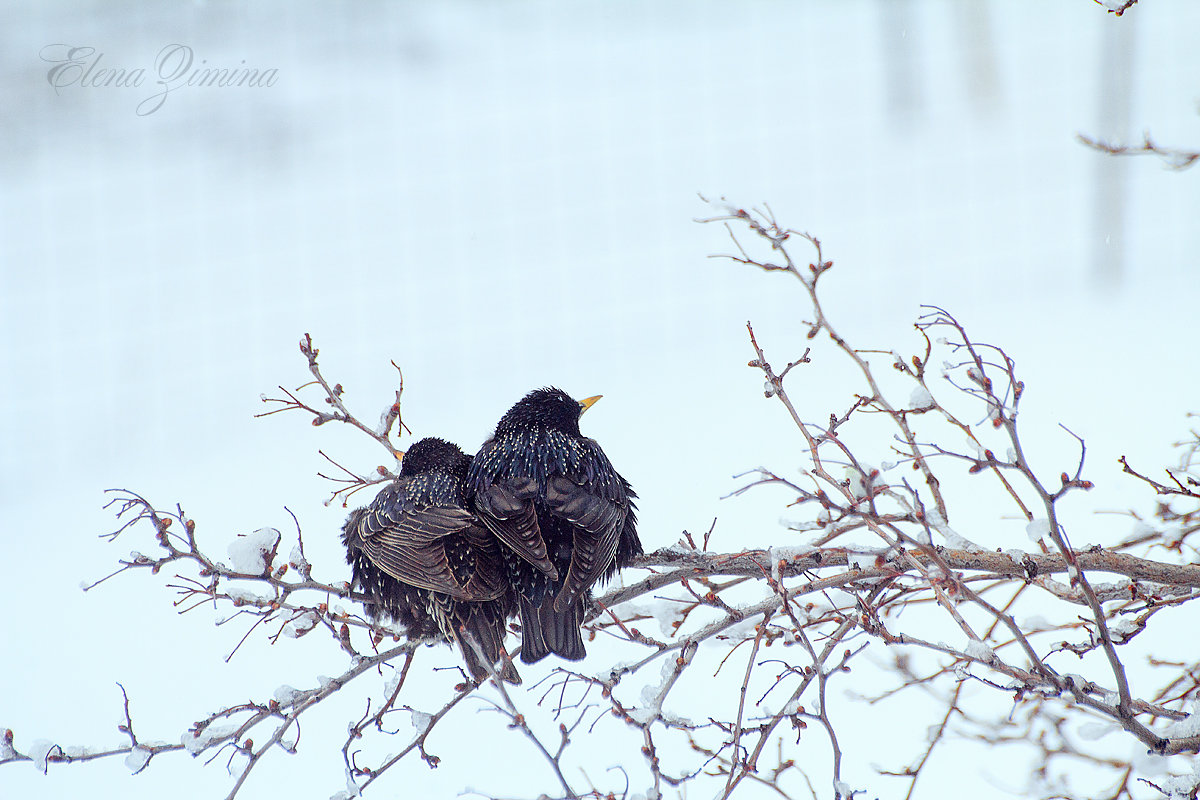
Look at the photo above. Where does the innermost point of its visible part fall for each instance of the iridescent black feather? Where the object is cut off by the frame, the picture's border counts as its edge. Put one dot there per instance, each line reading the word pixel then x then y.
pixel 427 563
pixel 565 516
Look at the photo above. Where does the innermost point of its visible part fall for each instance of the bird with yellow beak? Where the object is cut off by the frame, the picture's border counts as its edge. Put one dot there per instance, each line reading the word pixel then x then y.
pixel 563 514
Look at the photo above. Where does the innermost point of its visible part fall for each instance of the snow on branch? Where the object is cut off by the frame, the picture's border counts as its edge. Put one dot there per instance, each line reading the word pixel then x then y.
pixel 1173 157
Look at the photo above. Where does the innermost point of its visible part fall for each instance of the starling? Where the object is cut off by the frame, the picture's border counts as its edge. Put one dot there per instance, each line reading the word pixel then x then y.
pixel 564 515
pixel 427 563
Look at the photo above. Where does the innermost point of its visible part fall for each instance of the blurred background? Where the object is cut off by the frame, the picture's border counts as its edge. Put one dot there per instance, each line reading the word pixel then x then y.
pixel 500 196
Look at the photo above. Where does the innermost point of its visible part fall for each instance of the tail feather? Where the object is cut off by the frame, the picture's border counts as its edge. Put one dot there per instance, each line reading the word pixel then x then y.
pixel 560 629
pixel 533 646
pixel 489 620
pixel 487 630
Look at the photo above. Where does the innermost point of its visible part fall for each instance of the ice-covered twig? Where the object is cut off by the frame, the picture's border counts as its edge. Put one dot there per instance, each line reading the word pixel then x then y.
pixel 1174 157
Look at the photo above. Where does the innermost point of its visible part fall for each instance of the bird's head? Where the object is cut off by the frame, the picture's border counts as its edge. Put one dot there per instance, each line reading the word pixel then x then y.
pixel 434 455
pixel 548 408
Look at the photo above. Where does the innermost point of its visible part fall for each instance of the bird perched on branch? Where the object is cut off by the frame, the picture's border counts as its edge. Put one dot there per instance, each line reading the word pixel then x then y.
pixel 564 515
pixel 425 561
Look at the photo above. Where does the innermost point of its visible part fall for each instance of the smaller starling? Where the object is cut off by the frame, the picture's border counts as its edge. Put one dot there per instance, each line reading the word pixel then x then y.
pixel 427 563
pixel 564 515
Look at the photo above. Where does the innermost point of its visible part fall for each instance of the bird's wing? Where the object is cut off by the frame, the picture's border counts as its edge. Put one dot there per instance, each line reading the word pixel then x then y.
pixel 405 542
pixel 597 521
pixel 507 510
pixel 488 579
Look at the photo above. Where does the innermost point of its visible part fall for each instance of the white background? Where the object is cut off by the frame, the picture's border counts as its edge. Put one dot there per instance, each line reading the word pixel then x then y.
pixel 499 196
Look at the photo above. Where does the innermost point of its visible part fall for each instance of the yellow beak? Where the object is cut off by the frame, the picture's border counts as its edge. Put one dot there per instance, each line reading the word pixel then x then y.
pixel 588 402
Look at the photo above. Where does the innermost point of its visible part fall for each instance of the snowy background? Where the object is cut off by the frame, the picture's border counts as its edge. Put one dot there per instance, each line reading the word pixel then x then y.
pixel 499 196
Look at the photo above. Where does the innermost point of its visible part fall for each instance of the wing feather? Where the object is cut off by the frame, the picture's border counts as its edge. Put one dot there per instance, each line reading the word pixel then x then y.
pixel 508 511
pixel 405 543
pixel 597 523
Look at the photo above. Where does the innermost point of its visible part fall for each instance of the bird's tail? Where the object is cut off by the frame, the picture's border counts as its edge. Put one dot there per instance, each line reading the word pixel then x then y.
pixel 478 629
pixel 485 625
pixel 545 630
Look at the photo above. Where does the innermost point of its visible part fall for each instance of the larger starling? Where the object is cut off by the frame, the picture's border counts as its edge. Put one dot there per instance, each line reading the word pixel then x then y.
pixel 426 562
pixel 565 516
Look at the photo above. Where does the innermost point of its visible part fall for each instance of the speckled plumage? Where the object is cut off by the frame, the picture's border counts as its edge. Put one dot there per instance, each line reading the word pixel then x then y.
pixel 565 516
pixel 426 562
